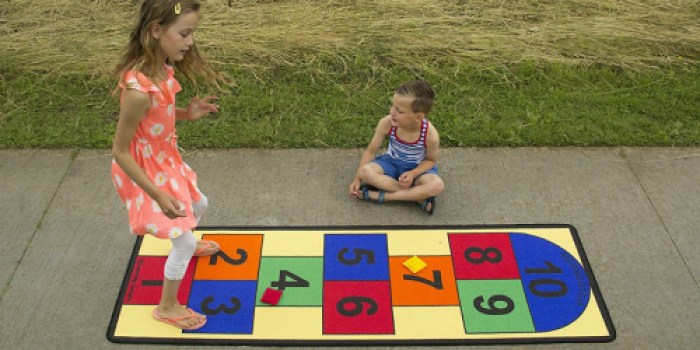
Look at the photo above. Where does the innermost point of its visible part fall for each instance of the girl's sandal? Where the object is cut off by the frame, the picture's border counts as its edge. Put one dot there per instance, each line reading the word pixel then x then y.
pixel 175 320
pixel 208 248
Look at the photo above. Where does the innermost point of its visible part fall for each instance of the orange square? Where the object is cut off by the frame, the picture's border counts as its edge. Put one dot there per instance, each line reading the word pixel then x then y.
pixel 434 285
pixel 239 258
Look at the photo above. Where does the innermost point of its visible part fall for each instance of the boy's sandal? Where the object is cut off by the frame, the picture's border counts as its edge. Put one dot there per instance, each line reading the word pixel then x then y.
pixel 174 321
pixel 424 205
pixel 365 194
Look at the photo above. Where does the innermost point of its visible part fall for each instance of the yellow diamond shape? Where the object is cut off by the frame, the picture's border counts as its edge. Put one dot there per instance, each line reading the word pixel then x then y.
pixel 415 264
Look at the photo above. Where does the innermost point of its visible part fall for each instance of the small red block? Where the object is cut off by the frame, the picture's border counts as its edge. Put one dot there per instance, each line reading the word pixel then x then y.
pixel 271 296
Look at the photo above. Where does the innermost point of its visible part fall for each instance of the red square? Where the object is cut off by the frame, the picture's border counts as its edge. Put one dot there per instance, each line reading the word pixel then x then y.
pixel 146 281
pixel 478 256
pixel 271 296
pixel 357 307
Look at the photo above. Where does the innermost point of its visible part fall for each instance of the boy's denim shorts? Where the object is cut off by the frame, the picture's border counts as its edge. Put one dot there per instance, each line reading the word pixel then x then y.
pixel 395 167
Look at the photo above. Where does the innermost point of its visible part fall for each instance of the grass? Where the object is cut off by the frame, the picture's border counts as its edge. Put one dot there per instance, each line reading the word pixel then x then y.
pixel 320 73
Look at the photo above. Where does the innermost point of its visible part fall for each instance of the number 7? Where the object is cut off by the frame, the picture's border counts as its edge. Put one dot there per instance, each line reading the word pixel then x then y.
pixel 435 283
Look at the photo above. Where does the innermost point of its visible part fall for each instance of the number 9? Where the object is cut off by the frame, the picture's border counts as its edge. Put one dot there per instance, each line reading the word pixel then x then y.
pixel 493 310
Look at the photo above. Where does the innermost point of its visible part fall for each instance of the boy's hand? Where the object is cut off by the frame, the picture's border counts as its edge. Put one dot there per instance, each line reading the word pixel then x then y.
pixel 354 190
pixel 406 179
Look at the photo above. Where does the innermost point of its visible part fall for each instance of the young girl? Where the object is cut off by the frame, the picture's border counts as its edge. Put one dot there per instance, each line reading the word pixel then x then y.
pixel 159 189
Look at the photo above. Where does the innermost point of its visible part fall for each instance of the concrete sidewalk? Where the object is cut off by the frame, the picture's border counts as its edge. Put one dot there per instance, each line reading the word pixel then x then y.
pixel 64 242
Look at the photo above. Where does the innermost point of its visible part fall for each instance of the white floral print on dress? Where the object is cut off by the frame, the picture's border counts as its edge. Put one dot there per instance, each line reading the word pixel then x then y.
pixel 171 109
pixel 174 185
pixel 156 207
pixel 139 201
pixel 175 232
pixel 161 157
pixel 152 229
pixel 161 178
pixel 147 151
pixel 118 181
pixel 157 129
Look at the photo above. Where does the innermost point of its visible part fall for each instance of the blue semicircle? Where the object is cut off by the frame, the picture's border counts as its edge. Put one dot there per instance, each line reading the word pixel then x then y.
pixel 555 284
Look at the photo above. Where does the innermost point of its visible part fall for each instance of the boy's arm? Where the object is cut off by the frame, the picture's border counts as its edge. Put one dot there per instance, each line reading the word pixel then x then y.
pixel 380 132
pixel 432 144
pixel 375 143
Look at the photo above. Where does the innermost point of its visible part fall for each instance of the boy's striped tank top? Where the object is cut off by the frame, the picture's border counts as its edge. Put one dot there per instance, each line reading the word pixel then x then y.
pixel 413 152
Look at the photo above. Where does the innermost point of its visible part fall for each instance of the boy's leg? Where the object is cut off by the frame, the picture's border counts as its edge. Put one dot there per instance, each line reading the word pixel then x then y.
pixel 425 186
pixel 381 174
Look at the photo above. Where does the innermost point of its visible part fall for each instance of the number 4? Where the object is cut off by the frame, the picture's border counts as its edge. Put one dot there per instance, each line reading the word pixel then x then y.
pixel 282 283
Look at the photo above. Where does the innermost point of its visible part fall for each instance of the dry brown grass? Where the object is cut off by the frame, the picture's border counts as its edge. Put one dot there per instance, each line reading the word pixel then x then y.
pixel 68 36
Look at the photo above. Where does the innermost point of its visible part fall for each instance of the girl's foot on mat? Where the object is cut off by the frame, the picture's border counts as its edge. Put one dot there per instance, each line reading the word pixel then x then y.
pixel 180 317
pixel 206 248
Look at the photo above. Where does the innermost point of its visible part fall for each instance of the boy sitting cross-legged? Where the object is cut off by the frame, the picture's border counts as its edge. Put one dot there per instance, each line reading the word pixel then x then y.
pixel 407 171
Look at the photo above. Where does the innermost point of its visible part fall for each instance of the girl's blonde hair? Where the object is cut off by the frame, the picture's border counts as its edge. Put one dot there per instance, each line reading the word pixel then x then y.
pixel 142 53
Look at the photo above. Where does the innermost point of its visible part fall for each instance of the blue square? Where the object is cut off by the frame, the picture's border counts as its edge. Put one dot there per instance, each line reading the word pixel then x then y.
pixel 228 305
pixel 356 257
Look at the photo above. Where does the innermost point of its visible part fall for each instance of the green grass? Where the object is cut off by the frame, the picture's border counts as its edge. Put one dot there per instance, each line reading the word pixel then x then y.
pixel 318 73
pixel 329 104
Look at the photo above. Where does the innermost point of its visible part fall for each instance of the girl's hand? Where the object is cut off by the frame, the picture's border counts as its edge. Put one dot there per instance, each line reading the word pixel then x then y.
pixel 406 179
pixel 170 206
pixel 200 107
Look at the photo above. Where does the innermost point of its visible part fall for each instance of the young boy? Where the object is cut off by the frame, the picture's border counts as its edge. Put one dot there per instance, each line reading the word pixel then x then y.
pixel 407 171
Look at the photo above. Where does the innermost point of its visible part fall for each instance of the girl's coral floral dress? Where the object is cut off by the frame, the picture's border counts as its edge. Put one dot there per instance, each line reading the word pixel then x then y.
pixel 154 147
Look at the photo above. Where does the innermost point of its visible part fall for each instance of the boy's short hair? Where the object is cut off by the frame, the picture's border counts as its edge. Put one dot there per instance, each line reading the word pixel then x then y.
pixel 422 92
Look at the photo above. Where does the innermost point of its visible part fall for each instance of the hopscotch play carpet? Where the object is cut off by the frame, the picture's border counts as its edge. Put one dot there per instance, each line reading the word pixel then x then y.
pixel 379 285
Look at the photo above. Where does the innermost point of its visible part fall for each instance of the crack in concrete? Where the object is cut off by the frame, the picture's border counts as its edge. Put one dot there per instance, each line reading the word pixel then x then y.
pixel 663 223
pixel 72 157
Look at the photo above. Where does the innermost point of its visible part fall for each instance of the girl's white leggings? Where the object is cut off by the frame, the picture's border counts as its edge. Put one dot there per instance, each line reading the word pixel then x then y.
pixel 184 246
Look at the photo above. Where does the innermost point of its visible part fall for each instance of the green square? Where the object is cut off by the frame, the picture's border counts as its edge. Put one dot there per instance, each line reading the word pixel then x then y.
pixel 494 306
pixel 300 279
